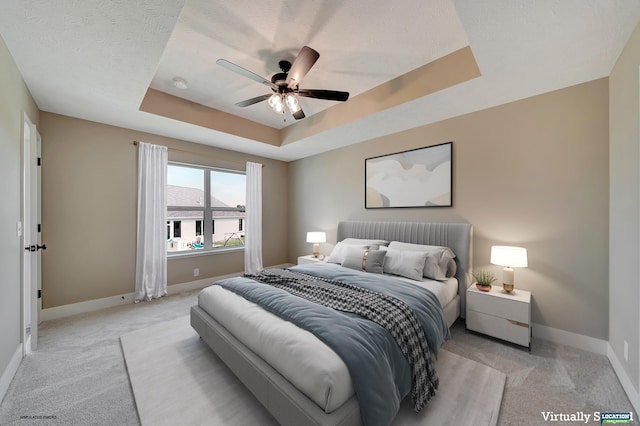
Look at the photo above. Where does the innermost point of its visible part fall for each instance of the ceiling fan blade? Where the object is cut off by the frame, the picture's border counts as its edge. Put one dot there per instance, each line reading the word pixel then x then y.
pixel 245 72
pixel 331 95
pixel 254 100
pixel 298 114
pixel 301 66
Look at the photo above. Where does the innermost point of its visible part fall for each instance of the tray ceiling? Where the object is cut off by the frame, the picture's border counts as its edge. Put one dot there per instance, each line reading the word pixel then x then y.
pixel 405 64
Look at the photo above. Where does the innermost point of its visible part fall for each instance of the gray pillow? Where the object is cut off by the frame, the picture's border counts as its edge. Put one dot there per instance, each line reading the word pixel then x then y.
pixel 364 259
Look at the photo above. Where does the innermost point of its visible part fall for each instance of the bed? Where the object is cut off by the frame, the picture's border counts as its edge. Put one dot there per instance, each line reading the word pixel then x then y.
pixel 293 397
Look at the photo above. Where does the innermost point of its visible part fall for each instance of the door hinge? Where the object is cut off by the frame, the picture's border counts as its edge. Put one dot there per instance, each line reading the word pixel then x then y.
pixel 39 161
pixel 39 294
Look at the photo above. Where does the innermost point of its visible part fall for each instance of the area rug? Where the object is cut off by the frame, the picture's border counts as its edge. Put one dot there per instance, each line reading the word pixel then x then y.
pixel 177 379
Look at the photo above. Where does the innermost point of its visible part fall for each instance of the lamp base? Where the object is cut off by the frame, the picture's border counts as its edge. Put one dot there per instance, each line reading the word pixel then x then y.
pixel 507 279
pixel 316 250
pixel 507 287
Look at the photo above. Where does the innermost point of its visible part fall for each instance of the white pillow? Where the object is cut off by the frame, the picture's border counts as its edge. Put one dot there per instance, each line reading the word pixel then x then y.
pixel 439 264
pixel 337 255
pixel 405 263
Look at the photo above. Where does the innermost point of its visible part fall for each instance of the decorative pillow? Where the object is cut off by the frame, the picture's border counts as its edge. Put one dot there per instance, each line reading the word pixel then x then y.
pixel 375 261
pixel 337 254
pixel 405 263
pixel 439 264
pixel 364 259
pixel 452 268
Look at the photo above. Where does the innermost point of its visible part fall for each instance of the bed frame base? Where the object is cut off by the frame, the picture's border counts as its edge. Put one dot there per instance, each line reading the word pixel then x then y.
pixel 283 401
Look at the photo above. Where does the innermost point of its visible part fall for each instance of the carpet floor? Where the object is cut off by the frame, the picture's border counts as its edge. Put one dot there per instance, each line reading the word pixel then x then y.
pixel 78 375
pixel 202 391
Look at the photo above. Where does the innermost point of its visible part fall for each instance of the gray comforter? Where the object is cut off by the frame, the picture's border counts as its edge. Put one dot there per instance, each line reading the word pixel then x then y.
pixel 379 371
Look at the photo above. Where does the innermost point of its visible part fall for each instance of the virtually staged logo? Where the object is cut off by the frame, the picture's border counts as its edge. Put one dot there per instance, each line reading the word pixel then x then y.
pixel 615 418
pixel 605 418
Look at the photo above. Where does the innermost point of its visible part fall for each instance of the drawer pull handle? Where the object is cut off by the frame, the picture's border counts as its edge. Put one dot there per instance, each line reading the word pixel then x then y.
pixel 521 324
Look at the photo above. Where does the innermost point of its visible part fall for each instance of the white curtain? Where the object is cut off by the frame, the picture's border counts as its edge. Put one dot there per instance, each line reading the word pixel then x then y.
pixel 151 256
pixel 253 235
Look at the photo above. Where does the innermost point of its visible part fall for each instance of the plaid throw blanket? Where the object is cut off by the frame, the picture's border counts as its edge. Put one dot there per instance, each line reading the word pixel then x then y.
pixel 388 312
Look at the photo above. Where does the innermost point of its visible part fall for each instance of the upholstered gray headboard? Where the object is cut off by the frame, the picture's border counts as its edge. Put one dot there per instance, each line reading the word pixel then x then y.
pixel 457 236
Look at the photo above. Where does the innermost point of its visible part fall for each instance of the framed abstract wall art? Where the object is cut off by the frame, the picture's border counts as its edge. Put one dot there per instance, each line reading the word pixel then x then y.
pixel 416 178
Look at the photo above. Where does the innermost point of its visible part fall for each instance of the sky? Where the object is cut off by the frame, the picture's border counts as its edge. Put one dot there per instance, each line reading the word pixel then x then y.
pixel 226 187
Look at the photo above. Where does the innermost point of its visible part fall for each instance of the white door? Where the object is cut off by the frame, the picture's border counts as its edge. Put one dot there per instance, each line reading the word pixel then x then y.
pixel 31 235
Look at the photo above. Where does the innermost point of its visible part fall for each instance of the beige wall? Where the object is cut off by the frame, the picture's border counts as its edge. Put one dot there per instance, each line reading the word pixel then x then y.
pixel 89 210
pixel 532 173
pixel 624 287
pixel 15 100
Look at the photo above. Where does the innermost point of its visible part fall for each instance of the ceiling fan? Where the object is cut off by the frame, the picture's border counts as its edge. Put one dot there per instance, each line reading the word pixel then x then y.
pixel 285 84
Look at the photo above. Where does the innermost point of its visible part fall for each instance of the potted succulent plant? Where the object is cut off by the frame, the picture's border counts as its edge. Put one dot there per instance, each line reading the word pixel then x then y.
pixel 484 280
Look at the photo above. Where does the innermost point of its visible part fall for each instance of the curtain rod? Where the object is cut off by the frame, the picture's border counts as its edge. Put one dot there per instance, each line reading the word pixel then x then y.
pixel 200 153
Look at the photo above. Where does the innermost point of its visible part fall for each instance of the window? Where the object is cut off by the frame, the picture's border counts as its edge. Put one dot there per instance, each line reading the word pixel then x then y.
pixel 189 210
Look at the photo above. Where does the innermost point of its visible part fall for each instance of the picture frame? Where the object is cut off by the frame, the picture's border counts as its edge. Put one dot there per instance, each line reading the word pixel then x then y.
pixel 421 177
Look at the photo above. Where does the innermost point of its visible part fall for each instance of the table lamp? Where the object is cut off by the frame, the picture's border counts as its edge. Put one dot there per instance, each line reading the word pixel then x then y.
pixel 509 257
pixel 316 238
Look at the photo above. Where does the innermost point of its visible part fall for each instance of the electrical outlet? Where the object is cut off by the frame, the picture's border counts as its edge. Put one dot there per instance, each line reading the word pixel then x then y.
pixel 626 351
pixel 196 272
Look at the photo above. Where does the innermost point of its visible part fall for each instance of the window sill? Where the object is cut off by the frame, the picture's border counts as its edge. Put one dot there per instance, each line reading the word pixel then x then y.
pixel 195 253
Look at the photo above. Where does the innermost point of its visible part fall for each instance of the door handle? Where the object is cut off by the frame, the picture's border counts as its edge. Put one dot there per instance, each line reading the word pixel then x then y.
pixel 41 247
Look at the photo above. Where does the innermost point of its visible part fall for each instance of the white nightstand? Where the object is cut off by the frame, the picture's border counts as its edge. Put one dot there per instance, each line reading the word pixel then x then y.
pixel 309 259
pixel 497 313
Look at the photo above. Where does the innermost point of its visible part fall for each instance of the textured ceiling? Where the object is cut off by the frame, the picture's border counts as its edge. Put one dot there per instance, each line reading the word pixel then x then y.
pixel 356 54
pixel 98 59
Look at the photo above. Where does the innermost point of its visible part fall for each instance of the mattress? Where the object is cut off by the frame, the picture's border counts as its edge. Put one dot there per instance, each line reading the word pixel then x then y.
pixel 299 356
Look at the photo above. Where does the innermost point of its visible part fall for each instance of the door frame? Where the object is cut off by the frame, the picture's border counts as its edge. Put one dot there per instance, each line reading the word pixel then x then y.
pixel 31 261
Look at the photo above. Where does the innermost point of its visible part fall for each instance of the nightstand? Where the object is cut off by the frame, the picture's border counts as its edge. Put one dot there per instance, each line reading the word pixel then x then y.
pixel 308 259
pixel 497 313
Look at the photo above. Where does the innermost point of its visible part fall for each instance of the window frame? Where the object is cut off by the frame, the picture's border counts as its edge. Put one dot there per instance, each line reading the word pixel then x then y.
pixel 207 211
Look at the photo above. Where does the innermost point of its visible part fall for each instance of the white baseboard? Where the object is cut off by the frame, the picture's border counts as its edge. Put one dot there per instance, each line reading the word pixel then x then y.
pixel 568 338
pixel 121 299
pixel 626 383
pixel 10 372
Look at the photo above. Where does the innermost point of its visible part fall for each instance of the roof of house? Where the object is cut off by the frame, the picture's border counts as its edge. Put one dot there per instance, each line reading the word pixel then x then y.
pixel 194 197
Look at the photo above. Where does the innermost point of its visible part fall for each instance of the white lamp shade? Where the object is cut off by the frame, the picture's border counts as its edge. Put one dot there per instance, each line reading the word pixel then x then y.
pixel 316 237
pixel 515 257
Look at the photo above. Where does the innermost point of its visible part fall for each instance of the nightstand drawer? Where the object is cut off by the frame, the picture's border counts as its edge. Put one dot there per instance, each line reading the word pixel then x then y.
pixel 498 306
pixel 498 327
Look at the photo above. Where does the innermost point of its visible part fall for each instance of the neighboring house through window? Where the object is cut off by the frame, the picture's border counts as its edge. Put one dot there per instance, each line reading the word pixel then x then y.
pixel 189 211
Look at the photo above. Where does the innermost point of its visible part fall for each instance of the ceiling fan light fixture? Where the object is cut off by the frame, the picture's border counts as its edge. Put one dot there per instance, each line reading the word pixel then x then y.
pixel 285 84
pixel 292 103
pixel 276 103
